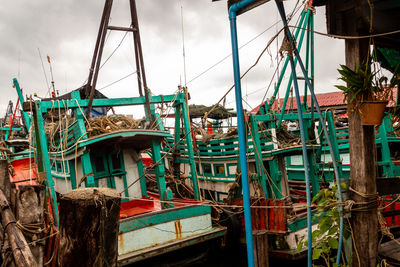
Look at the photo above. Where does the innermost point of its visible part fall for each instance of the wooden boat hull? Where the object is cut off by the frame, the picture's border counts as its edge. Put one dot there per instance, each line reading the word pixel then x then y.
pixel 148 235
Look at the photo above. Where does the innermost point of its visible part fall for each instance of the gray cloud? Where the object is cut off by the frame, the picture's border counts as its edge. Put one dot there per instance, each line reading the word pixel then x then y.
pixel 66 30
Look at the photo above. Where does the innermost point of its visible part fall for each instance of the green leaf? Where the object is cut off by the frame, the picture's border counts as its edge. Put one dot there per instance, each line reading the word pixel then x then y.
pixel 343 185
pixel 324 228
pixel 316 253
pixel 300 245
pixel 333 230
pixel 333 243
pixel 341 87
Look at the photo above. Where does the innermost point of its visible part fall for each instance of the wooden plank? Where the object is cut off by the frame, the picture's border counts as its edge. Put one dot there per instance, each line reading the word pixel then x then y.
pixel 390 251
pixel 261 257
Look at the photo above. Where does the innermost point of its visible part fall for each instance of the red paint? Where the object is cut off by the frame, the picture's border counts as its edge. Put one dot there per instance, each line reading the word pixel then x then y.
pixel 149 204
pixel 146 159
pixel 25 173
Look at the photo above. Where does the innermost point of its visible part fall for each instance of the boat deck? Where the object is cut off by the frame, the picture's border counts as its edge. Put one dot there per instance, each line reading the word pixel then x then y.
pixel 149 204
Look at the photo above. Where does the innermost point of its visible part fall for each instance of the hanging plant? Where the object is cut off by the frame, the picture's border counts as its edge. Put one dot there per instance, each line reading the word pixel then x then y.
pixel 368 91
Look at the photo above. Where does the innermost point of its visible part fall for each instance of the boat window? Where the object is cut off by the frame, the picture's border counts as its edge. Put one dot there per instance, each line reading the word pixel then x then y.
pixel 219 169
pixel 207 169
pixel 99 164
pixel 116 161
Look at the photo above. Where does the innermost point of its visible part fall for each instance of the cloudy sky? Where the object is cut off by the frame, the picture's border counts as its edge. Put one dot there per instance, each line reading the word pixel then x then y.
pixel 66 30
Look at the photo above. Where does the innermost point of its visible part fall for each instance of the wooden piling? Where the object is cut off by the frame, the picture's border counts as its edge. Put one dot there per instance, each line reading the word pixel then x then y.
pixel 260 241
pixel 29 211
pixel 89 227
pixel 20 248
pixel 5 184
pixel 364 221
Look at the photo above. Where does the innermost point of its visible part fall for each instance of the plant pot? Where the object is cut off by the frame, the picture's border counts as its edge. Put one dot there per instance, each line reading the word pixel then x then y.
pixel 372 112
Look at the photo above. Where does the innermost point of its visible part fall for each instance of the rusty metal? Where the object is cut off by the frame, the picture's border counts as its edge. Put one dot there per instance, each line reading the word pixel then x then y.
pixel 139 57
pixel 95 66
pixel 138 72
pixel 96 50
pixel 97 57
pixel 124 29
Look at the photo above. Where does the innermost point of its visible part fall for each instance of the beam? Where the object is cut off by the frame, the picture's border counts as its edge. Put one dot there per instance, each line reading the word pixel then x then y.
pixel 362 171
pixel 46 105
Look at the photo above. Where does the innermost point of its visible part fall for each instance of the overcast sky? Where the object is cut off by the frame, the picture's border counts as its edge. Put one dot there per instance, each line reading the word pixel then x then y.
pixel 66 30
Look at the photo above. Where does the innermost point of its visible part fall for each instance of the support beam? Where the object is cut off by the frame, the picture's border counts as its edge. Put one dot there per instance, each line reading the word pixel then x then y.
pixel 362 170
pixel 189 143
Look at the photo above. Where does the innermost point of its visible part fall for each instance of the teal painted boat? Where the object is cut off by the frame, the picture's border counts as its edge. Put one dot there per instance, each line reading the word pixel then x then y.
pixel 74 148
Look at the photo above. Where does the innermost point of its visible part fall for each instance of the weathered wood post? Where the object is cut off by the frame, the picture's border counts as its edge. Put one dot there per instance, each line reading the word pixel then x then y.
pixel 5 183
pixel 362 171
pixel 89 222
pixel 261 255
pixel 29 210
pixel 20 248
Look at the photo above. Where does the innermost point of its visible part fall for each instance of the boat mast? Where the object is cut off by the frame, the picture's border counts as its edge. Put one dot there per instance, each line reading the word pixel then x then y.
pixel 98 52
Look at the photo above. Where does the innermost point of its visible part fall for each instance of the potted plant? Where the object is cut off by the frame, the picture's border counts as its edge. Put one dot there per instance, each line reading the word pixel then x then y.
pixel 368 91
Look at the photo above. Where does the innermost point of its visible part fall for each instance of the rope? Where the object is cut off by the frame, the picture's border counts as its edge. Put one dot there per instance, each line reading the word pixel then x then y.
pixel 107 124
pixel 349 37
pixel 207 204
pixel 244 74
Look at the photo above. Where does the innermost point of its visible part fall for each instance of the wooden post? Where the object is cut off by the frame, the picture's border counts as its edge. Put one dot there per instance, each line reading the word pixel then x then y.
pixel 362 171
pixel 260 240
pixel 5 183
pixel 20 249
pixel 89 227
pixel 29 210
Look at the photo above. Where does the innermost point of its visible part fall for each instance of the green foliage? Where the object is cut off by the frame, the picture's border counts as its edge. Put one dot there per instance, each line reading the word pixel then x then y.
pixel 325 237
pixel 365 84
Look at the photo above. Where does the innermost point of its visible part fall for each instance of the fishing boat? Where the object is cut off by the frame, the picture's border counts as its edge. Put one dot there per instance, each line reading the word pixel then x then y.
pixel 280 201
pixel 275 155
pixel 77 148
pixel 14 145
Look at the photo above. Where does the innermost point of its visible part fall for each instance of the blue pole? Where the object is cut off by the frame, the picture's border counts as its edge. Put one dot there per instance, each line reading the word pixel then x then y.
pixel 321 119
pixel 241 129
pixel 302 136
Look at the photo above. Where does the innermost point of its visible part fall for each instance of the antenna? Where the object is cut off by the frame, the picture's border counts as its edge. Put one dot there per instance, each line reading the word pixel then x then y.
pixel 19 63
pixel 44 72
pixel 183 45
pixel 53 94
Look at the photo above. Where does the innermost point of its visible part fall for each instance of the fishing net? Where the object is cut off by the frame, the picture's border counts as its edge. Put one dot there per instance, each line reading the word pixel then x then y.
pixel 112 123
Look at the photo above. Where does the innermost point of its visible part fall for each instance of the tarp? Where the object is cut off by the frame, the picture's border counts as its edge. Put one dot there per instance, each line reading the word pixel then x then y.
pixel 389 58
pixel 198 111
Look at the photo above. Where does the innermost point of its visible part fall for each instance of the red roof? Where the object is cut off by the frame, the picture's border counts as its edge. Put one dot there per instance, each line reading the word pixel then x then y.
pixel 324 100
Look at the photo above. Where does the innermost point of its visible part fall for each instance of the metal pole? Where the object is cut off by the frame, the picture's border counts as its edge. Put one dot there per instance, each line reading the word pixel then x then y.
pixel 277 86
pixel 302 134
pixel 321 119
pixel 241 130
pixel 103 33
pixel 96 50
pixel 138 45
pixel 307 17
